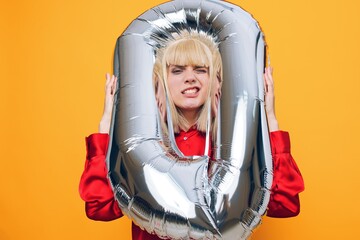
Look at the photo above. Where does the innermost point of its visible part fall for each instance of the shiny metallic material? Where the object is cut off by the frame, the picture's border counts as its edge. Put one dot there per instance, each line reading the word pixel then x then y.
pixel 161 190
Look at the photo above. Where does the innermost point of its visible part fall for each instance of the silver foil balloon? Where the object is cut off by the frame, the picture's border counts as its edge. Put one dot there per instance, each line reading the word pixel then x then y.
pixel 162 191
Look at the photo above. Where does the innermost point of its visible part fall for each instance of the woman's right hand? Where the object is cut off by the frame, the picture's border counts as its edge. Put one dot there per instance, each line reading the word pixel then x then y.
pixel 110 88
pixel 270 100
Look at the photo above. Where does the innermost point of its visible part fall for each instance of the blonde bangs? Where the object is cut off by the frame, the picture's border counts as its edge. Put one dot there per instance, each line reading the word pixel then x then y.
pixel 188 52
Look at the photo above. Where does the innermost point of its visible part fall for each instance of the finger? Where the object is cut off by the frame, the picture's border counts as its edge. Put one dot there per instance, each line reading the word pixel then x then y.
pixel 107 76
pixel 108 84
pixel 269 79
pixel 269 75
pixel 265 80
pixel 112 84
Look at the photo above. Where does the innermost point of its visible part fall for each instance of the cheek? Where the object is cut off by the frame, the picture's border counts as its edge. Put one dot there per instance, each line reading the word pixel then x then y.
pixel 173 88
pixel 205 82
pixel 170 83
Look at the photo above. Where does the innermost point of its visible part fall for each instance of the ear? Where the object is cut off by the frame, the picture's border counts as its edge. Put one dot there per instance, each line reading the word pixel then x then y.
pixel 218 77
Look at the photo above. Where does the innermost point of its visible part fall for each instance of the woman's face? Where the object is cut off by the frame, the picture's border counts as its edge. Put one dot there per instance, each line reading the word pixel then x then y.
pixel 188 86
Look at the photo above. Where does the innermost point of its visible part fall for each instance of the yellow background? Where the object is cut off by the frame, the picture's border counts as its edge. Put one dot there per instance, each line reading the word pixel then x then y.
pixel 53 57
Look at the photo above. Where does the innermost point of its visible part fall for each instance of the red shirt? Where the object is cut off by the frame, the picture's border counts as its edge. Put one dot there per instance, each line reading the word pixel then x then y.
pixel 100 203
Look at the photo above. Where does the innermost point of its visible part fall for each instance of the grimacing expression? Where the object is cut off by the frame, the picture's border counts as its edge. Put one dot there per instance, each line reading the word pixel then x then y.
pixel 188 86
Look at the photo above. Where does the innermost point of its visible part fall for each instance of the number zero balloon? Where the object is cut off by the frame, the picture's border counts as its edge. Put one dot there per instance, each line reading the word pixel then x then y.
pixel 160 189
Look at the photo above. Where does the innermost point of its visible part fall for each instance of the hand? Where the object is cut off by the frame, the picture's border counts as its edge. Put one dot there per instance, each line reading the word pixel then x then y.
pixel 270 99
pixel 110 88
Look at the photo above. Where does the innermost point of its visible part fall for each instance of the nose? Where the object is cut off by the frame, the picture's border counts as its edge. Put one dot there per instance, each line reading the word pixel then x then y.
pixel 189 75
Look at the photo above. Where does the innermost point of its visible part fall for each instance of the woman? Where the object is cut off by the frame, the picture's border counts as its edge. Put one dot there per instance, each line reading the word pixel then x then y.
pixel 188 69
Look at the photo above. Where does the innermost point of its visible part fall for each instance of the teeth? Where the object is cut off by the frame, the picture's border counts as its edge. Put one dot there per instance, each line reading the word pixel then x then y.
pixel 193 90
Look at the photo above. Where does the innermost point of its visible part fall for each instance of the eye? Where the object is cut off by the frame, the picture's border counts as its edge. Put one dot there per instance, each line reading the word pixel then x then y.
pixel 176 70
pixel 201 70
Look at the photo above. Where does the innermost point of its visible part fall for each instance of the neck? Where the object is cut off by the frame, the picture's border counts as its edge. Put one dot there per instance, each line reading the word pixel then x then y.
pixel 190 116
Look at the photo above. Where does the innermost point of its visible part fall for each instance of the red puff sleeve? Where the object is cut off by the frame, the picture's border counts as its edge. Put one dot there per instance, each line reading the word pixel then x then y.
pixel 94 187
pixel 287 181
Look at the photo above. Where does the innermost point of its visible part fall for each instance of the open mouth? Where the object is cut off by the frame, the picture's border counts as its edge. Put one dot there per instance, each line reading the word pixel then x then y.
pixel 191 90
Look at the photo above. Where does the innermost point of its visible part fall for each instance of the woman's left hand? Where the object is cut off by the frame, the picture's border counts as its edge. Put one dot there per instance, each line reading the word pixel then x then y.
pixel 110 88
pixel 270 99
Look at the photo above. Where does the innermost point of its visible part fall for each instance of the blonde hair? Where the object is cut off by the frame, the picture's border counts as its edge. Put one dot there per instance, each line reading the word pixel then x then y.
pixel 195 49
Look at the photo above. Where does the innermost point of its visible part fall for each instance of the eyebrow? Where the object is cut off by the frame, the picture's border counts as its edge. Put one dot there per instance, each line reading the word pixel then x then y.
pixel 177 66
pixel 182 66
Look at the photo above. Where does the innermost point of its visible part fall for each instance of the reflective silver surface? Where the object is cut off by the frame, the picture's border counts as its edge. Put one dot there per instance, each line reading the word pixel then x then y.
pixel 161 190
